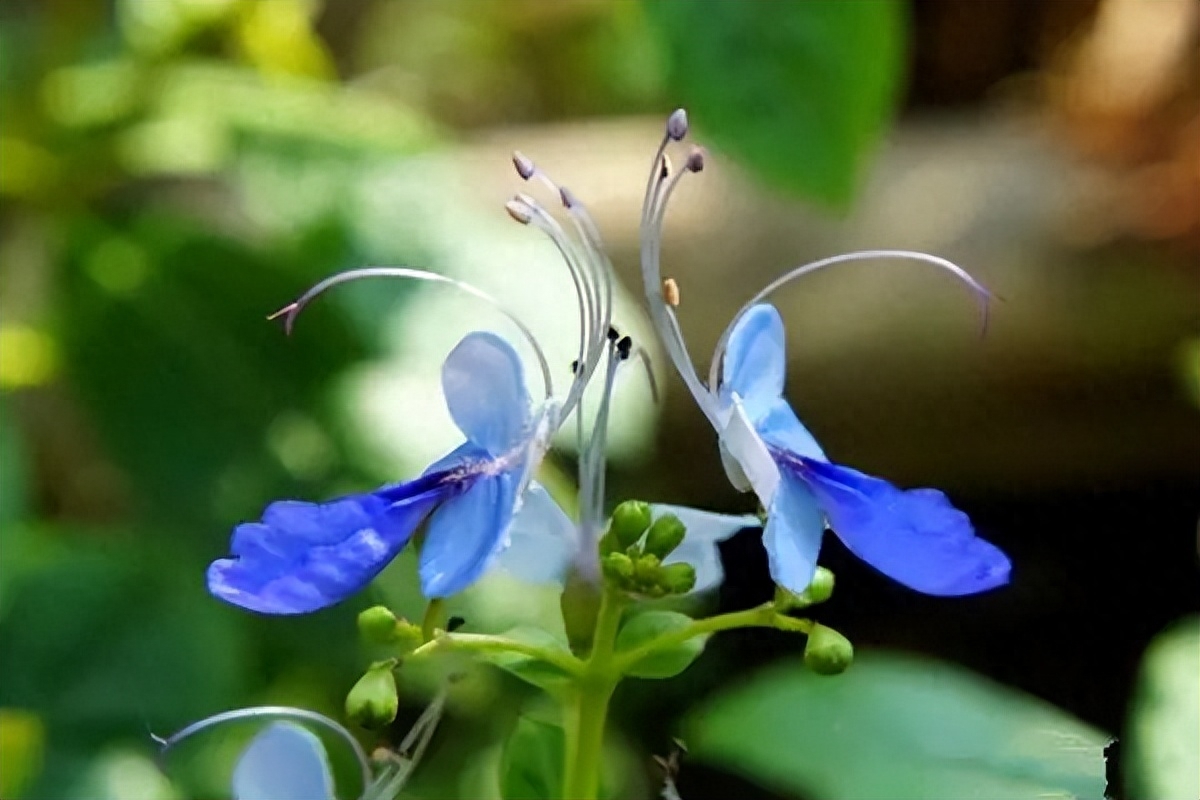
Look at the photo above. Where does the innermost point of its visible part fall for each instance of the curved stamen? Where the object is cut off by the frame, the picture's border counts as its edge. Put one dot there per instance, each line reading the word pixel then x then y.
pixel 592 463
pixel 980 291
pixel 284 712
pixel 654 210
pixel 291 311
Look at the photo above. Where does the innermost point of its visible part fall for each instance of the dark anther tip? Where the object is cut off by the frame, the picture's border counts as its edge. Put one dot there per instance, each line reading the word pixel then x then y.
pixel 575 366
pixel 568 199
pixel 677 124
pixel 613 335
pixel 625 346
pixel 454 623
pixel 523 165
pixel 695 160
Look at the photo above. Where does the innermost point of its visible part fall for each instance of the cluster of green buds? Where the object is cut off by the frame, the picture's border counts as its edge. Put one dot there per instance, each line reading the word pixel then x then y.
pixel 374 699
pixel 633 549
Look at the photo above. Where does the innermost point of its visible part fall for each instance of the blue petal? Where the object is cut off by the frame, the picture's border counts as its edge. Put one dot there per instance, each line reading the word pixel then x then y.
pixel 781 428
pixel 793 535
pixel 542 542
pixel 484 385
pixel 464 534
pixel 755 365
pixel 305 556
pixel 699 548
pixel 915 537
pixel 284 761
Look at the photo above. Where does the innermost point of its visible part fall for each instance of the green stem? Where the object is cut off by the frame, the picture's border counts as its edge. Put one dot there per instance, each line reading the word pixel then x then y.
pixel 764 616
pixel 587 710
pixel 434 618
pixel 482 642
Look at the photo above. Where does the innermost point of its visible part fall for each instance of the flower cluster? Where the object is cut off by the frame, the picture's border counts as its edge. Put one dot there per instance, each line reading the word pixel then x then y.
pixel 483 509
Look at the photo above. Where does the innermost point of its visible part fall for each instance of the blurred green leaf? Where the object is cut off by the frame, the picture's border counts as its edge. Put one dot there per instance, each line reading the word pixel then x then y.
pixel 531 670
pixel 22 738
pixel 1163 735
pixel 12 469
pixel 897 727
pixel 531 768
pixel 665 663
pixel 799 92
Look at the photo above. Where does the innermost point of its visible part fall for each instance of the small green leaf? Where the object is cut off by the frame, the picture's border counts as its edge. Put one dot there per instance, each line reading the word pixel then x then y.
pixel 1163 734
pixel 665 663
pixel 799 92
pixel 531 768
pixel 531 670
pixel 897 727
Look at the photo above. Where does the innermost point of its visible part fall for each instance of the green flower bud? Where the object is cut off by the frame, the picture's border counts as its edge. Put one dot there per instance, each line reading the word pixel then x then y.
pixel 374 701
pixel 377 625
pixel 827 651
pixel 629 521
pixel 665 535
pixel 647 571
pixel 818 591
pixel 617 567
pixel 679 578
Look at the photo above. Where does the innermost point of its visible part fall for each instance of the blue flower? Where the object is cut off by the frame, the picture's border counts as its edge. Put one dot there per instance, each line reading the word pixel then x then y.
pixel 915 537
pixel 302 556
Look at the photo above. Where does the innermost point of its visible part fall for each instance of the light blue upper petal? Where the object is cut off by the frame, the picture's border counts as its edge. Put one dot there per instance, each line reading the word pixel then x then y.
pixel 755 363
pixel 699 548
pixel 793 535
pixel 465 533
pixel 284 762
pixel 780 428
pixel 543 540
pixel 484 385
pixel 914 537
pixel 305 556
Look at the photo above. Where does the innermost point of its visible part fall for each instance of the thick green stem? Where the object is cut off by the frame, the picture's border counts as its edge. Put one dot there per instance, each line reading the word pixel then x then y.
pixel 485 643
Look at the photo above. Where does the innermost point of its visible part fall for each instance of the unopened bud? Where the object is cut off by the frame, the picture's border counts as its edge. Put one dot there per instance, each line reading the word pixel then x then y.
pixel 819 590
pixel 374 701
pixel 665 535
pixel 617 567
pixel 524 165
pixel 377 625
pixel 695 160
pixel 677 124
pixel 647 570
pixel 827 651
pixel 679 578
pixel 629 521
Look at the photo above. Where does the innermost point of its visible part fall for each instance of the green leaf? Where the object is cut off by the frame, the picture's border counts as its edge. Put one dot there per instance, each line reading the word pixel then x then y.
pixel 799 92
pixel 897 727
pixel 1163 734
pixel 528 669
pixel 665 663
pixel 531 768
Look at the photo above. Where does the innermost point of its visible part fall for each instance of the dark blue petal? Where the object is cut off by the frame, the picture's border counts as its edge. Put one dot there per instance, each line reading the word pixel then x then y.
pixel 466 532
pixel 305 556
pixel 914 537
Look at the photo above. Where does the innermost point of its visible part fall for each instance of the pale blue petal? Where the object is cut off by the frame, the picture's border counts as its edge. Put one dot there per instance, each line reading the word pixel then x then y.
pixel 914 537
pixel 704 530
pixel 780 428
pixel 305 556
pixel 466 455
pixel 465 533
pixel 283 762
pixel 793 535
pixel 484 385
pixel 543 540
pixel 755 363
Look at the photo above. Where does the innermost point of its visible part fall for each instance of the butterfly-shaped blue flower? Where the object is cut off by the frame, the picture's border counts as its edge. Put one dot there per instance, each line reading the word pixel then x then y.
pixel 302 556
pixel 915 537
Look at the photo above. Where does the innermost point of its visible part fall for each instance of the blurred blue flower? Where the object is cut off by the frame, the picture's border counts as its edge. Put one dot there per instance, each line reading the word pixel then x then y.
pixel 915 537
pixel 305 556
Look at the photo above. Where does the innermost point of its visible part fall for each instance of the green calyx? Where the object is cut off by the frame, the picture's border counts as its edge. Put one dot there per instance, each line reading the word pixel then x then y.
pixel 374 700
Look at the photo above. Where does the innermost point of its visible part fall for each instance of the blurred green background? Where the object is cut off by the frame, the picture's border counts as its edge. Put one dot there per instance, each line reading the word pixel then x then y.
pixel 173 170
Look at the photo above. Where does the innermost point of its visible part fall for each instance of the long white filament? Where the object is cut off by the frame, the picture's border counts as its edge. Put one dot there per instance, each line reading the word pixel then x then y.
pixel 979 290
pixel 290 312
pixel 274 712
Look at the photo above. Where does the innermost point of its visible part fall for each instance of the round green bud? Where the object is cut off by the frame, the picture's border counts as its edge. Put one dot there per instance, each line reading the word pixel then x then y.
pixel 377 625
pixel 821 588
pixel 827 651
pixel 647 571
pixel 617 567
pixel 665 535
pixel 374 701
pixel 679 578
pixel 629 521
